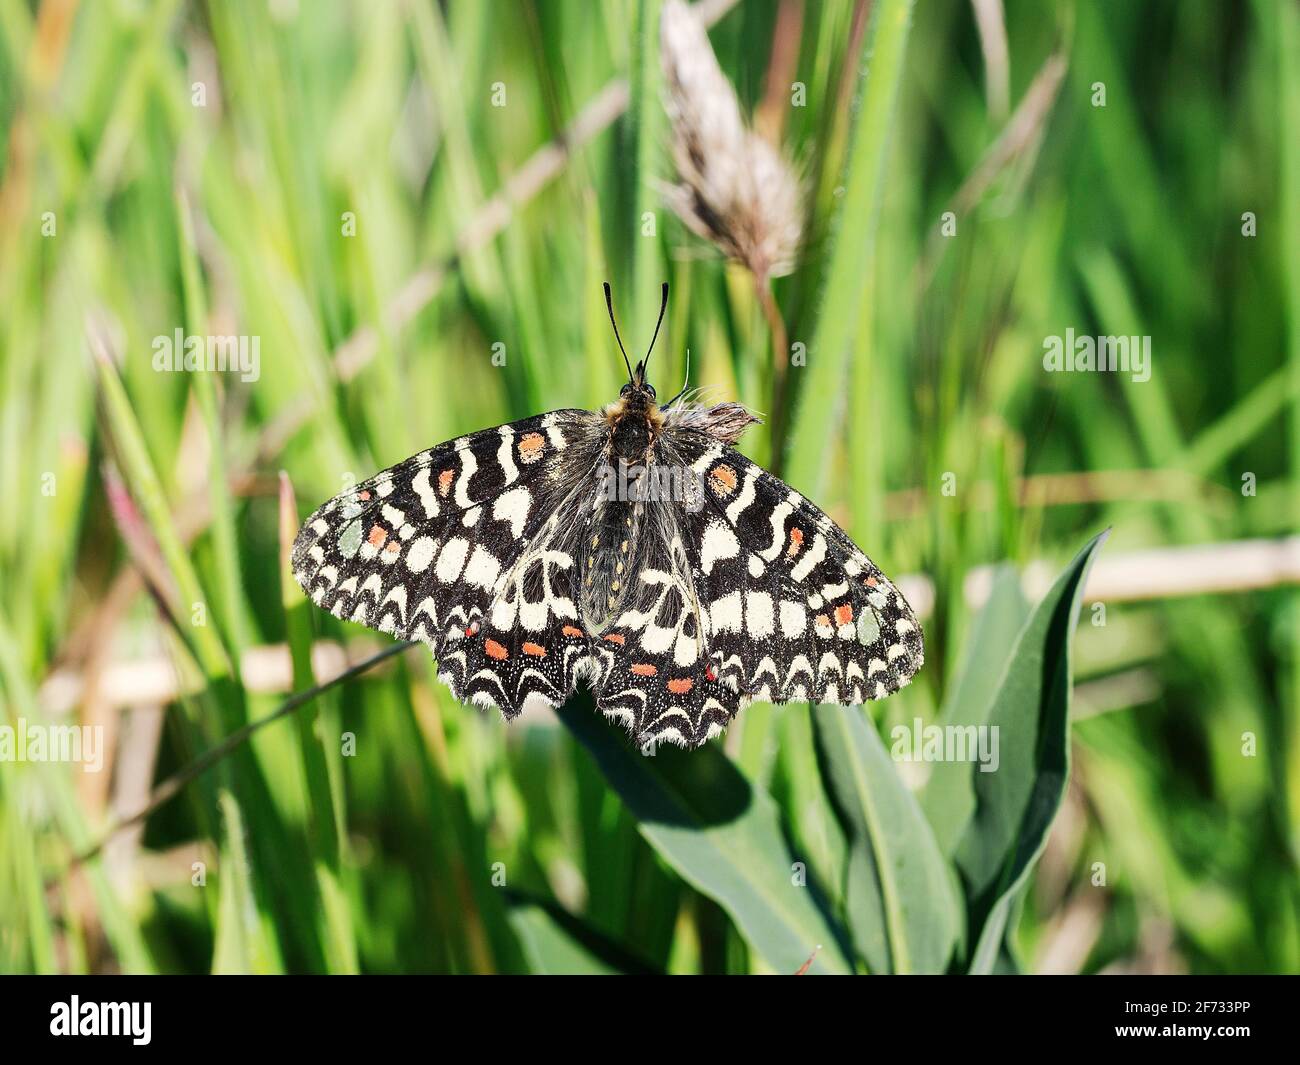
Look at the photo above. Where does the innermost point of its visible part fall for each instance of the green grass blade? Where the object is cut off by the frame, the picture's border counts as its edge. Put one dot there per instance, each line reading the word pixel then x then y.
pixel 816 423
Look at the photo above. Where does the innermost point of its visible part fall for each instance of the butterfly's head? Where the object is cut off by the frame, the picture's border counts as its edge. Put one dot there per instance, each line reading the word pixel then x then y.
pixel 638 394
pixel 636 417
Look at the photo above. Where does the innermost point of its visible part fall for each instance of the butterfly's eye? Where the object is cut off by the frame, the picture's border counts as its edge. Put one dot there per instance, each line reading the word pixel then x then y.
pixel 625 390
pixel 651 390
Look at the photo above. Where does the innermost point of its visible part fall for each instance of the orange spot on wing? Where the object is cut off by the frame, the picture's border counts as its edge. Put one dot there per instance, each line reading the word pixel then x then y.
pixel 444 481
pixel 822 619
pixel 535 649
pixel 724 479
pixel 843 614
pixel 680 685
pixel 495 650
pixel 570 630
pixel 871 582
pixel 364 494
pixel 616 637
pixel 377 536
pixel 644 669
pixel 393 547
pixel 796 542
pixel 531 446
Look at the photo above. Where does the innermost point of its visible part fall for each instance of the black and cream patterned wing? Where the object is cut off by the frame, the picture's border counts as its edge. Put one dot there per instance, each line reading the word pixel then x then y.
pixel 796 611
pixel 455 547
pixel 528 647
pixel 761 597
pixel 655 675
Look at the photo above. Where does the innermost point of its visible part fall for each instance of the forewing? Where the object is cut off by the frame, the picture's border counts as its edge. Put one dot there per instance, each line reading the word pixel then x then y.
pixel 431 548
pixel 772 602
pixel 797 612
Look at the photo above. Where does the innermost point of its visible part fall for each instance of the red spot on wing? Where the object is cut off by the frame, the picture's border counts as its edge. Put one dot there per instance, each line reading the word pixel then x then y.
pixel 710 673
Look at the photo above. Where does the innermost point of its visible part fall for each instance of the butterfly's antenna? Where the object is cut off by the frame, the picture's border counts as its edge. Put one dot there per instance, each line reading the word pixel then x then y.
pixel 663 306
pixel 609 304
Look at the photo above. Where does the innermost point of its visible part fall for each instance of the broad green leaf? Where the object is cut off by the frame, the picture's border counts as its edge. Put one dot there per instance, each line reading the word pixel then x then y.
pixel 555 941
pixel 1015 804
pixel 724 837
pixel 549 949
pixel 799 790
pixel 902 904
pixel 948 797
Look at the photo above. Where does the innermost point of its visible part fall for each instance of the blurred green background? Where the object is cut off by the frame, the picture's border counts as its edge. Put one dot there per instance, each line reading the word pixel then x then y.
pixel 338 180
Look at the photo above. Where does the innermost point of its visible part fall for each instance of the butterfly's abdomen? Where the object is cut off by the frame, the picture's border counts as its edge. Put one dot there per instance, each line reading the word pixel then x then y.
pixel 609 543
pixel 608 550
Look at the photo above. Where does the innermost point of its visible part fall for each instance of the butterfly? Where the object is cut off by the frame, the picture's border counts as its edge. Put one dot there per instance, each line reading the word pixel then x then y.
pixel 632 548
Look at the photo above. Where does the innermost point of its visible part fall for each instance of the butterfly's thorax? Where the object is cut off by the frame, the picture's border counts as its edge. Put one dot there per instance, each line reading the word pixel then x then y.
pixel 634 422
